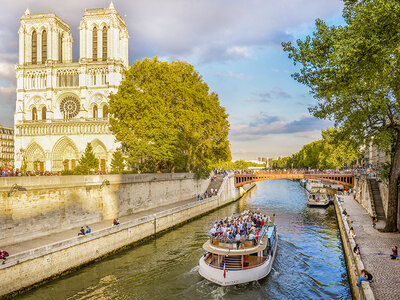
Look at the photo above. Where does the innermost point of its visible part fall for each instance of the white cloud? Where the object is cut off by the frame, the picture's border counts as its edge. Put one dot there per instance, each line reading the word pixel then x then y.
pixel 237 52
pixel 204 30
pixel 7 71
pixel 231 75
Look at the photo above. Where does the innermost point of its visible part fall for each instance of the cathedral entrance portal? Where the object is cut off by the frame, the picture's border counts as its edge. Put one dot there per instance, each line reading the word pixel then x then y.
pixel 35 158
pixel 65 155
pixel 100 152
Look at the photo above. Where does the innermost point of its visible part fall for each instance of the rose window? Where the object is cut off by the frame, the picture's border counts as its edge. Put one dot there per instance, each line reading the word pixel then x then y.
pixel 70 107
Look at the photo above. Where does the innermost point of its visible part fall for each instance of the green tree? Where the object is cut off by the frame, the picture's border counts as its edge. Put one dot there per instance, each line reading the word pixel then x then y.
pixel 168 119
pixel 354 71
pixel 117 162
pixel 332 152
pixel 87 162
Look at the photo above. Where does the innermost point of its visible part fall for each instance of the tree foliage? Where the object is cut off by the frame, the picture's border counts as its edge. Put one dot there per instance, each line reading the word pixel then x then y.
pixel 168 119
pixel 354 71
pixel 88 161
pixel 332 152
pixel 117 162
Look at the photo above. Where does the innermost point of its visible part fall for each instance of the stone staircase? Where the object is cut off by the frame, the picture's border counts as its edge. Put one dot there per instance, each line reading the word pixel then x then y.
pixel 377 199
pixel 215 184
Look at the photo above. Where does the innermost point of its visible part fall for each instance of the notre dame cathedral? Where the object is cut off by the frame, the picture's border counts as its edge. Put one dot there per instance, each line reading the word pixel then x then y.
pixel 62 103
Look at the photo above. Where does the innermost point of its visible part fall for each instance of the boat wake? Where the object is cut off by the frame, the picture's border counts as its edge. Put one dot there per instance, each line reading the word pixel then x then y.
pixel 194 269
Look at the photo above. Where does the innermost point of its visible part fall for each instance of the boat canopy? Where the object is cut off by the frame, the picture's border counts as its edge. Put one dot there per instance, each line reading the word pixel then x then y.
pixel 221 251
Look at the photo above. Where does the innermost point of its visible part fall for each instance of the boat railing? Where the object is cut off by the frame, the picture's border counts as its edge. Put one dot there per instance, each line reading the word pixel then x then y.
pixel 229 267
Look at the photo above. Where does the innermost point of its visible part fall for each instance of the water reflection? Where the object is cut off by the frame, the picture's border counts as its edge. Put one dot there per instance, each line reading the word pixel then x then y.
pixel 309 263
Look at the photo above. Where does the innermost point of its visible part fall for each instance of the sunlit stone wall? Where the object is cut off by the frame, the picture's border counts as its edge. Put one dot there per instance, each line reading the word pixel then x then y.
pixel 56 203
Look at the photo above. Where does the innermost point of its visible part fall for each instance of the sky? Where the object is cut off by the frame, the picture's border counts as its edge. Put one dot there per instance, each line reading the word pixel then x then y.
pixel 234 44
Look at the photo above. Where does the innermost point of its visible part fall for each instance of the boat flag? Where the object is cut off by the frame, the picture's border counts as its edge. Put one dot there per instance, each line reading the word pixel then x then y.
pixel 224 269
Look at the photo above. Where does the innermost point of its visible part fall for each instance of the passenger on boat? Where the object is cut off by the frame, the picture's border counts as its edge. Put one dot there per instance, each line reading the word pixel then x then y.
pixel 237 239
pixel 252 237
pixel 230 237
pixel 213 231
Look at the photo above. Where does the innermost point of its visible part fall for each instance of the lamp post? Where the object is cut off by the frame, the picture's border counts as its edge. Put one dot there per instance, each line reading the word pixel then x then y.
pixel 14 188
pixel 104 183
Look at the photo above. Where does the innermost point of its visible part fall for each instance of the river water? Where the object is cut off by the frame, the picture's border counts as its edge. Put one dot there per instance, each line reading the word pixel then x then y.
pixel 309 262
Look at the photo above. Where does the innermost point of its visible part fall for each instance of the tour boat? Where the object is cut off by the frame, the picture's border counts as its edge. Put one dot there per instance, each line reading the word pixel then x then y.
pixel 312 184
pixel 318 197
pixel 225 264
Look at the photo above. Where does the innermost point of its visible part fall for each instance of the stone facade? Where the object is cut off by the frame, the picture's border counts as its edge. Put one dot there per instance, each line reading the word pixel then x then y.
pixel 374 157
pixel 6 147
pixel 61 103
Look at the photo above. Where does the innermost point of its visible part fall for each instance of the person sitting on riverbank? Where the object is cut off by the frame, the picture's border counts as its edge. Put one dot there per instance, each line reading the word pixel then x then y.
pixel 82 231
pixel 3 256
pixel 395 253
pixel 88 230
pixel 116 221
pixel 352 232
pixel 348 220
pixel 345 212
pixel 365 276
pixel 356 249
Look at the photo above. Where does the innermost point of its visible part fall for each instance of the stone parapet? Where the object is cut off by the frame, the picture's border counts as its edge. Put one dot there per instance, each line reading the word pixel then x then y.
pixel 52 204
pixel 354 263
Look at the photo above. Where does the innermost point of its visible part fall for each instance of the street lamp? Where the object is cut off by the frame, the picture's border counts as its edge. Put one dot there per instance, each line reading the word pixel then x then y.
pixel 14 188
pixel 104 183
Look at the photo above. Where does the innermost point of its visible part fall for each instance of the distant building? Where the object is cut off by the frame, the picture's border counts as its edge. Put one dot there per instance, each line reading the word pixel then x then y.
pixel 374 157
pixel 6 147
pixel 262 159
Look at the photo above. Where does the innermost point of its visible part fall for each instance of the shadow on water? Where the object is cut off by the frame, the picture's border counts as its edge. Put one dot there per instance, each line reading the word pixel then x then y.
pixel 309 262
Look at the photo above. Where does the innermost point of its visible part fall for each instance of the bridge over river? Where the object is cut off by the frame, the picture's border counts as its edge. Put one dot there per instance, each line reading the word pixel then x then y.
pixel 346 179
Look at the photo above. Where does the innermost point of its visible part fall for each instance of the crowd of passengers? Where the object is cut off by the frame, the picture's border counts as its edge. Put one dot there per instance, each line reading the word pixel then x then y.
pixel 238 229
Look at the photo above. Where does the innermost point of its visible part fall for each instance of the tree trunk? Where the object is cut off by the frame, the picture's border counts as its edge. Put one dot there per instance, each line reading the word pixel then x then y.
pixel 393 204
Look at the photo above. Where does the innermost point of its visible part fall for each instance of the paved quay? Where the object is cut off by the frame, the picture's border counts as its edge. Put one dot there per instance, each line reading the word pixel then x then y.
pixel 375 248
pixel 55 238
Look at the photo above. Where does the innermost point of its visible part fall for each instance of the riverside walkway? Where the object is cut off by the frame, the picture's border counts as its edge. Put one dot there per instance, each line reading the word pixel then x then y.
pixel 375 249
pixel 53 239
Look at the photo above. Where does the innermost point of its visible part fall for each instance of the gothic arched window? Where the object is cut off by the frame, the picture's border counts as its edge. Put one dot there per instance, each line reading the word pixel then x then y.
pixel 44 46
pixel 105 111
pixel 104 43
pixel 60 45
pixel 34 114
pixel 94 43
pixel 95 112
pixel 44 111
pixel 34 47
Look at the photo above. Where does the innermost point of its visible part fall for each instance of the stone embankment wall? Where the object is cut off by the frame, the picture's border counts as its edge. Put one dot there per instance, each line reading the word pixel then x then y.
pixel 56 203
pixel 36 265
pixel 364 194
pixel 353 262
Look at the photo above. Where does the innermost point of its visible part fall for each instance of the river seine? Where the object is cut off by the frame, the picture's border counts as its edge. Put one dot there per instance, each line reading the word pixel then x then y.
pixel 309 263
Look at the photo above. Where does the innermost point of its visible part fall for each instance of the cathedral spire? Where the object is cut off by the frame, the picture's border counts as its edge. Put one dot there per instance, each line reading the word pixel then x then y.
pixel 27 12
pixel 111 6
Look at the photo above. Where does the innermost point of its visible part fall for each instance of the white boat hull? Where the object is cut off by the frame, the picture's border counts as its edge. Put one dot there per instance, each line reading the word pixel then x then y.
pixel 319 203
pixel 236 276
